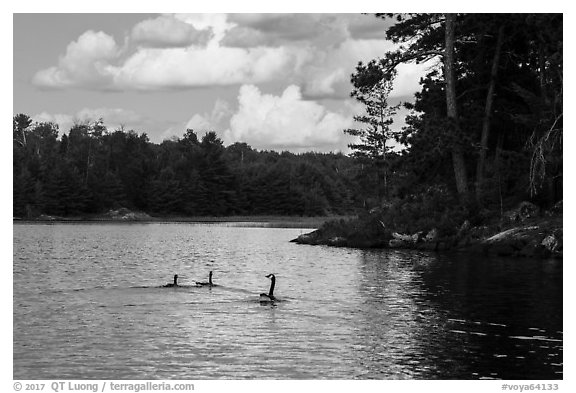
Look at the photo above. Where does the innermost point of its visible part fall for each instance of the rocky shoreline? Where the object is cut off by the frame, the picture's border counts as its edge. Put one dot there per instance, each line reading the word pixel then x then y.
pixel 524 233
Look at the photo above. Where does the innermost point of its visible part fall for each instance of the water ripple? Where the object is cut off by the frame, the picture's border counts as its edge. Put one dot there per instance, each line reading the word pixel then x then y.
pixel 89 304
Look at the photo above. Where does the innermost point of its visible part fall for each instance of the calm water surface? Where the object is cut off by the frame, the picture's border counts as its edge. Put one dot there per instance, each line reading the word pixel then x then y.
pixel 88 305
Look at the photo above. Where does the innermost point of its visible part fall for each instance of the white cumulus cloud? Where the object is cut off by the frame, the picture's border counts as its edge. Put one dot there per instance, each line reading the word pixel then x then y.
pixel 150 69
pixel 87 62
pixel 287 121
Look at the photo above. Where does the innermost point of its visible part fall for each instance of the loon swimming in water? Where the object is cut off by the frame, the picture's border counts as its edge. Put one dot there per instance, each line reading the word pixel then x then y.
pixel 175 284
pixel 209 283
pixel 268 297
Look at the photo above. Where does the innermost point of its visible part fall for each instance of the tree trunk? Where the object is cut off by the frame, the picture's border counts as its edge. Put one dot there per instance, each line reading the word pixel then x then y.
pixel 497 156
pixel 382 106
pixel 452 112
pixel 488 115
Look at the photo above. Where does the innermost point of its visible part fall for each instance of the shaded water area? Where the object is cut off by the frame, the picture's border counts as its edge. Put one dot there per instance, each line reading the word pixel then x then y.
pixel 88 304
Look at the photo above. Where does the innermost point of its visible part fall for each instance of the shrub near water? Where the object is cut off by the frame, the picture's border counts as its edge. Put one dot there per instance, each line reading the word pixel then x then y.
pixel 363 231
pixel 435 207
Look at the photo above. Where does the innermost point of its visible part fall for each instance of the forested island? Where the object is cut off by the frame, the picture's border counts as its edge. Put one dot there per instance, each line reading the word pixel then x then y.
pixel 481 151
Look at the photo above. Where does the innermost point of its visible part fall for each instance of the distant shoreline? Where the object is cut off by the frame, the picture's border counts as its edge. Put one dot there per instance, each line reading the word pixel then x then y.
pixel 271 221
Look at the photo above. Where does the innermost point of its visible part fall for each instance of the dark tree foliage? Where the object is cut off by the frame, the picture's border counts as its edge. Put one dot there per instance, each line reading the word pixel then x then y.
pixel 90 170
pixel 496 128
pixel 375 136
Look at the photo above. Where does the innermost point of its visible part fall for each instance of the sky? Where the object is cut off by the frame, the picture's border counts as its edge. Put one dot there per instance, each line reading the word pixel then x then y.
pixel 275 81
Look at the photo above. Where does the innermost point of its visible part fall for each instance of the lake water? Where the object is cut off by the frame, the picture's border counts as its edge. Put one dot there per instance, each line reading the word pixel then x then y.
pixel 88 305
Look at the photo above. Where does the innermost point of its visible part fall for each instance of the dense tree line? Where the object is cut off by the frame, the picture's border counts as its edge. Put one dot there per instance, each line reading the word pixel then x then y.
pixel 90 170
pixel 485 130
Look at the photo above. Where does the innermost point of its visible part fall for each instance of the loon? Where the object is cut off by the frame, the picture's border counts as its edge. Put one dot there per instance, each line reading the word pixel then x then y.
pixel 175 284
pixel 209 283
pixel 269 297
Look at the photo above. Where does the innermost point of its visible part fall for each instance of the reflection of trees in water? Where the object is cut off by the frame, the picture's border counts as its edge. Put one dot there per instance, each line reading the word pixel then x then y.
pixel 401 333
pixel 496 300
pixel 430 316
